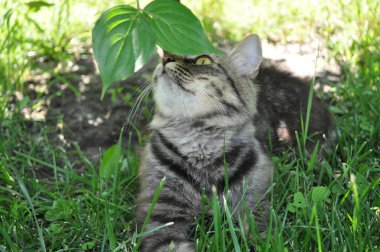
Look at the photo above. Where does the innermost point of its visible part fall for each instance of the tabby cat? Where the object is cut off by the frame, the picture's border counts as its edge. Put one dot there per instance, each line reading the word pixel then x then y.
pixel 210 113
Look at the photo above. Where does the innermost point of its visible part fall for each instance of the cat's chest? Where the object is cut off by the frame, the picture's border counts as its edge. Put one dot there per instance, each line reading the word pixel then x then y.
pixel 199 146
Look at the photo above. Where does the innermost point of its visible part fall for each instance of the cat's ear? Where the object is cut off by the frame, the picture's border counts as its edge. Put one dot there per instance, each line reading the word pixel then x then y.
pixel 246 56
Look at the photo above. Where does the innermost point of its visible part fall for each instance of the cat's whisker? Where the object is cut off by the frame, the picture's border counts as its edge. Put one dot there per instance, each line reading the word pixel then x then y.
pixel 149 87
pixel 138 102
pixel 220 109
pixel 126 122
pixel 219 105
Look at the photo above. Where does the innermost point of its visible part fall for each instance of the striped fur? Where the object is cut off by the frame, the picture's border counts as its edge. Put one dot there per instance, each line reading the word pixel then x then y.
pixel 211 117
pixel 203 121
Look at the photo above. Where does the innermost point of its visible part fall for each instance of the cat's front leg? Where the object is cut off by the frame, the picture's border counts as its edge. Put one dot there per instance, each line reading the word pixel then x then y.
pixel 170 208
pixel 169 239
pixel 261 215
pixel 256 207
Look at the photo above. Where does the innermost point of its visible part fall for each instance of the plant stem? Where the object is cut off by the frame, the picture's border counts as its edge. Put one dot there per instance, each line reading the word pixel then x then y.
pixel 138 4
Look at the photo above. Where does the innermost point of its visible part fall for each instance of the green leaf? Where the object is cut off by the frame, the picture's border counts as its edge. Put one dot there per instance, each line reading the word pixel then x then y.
pixel 319 194
pixel 123 42
pixel 88 245
pixel 291 208
pixel 299 200
pixel 5 175
pixel 61 209
pixel 177 30
pixel 55 228
pixel 110 161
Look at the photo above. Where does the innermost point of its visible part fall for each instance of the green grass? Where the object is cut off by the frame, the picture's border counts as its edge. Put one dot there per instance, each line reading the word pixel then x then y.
pixel 329 205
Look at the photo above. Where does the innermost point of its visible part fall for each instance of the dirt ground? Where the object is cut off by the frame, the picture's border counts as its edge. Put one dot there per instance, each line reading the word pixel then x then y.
pixel 72 110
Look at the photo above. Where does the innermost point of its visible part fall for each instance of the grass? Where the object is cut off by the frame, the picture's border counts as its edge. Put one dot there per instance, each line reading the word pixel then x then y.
pixel 46 204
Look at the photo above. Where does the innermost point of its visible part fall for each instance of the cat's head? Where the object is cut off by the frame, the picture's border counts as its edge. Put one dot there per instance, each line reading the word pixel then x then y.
pixel 192 87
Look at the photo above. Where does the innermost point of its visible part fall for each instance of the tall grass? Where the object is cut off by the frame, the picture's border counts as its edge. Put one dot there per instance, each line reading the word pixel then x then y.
pixel 40 36
pixel 25 43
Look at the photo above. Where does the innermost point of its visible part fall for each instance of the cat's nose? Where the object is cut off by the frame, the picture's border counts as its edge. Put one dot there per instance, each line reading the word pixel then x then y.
pixel 167 59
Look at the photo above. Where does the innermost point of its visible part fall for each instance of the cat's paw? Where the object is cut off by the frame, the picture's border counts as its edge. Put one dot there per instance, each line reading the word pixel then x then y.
pixel 181 247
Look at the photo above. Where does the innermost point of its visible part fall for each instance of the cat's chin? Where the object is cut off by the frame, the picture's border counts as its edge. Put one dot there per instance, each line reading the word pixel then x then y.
pixel 162 77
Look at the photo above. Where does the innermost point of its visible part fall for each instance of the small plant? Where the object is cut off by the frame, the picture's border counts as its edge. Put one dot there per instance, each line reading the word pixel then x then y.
pixel 125 38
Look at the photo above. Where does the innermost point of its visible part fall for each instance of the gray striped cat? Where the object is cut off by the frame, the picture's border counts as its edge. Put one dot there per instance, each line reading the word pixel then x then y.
pixel 206 117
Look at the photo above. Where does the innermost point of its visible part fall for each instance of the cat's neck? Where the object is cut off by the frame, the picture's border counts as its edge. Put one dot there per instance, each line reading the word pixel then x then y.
pixel 221 122
pixel 201 140
pixel 186 131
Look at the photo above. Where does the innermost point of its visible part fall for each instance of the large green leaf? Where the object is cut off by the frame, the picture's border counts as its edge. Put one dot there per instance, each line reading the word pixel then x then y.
pixel 123 42
pixel 177 30
pixel 124 37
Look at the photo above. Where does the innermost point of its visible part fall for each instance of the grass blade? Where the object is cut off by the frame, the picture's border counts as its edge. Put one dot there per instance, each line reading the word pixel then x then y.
pixel 154 201
pixel 217 219
pixel 231 226
pixel 69 173
pixel 30 202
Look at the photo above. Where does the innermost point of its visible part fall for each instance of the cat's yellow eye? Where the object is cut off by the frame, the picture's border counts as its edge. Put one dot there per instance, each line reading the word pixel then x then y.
pixel 203 60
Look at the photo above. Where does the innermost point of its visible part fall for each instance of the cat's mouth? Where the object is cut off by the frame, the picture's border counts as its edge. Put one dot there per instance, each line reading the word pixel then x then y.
pixel 164 73
pixel 168 74
pixel 161 71
pixel 171 76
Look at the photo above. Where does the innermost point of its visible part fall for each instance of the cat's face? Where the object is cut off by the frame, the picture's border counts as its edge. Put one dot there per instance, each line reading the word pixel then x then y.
pixel 196 86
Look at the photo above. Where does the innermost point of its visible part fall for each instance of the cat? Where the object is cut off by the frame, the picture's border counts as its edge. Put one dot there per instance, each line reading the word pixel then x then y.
pixel 210 114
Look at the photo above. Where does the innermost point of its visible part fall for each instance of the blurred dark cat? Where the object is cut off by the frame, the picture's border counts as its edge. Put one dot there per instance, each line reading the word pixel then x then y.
pixel 282 102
